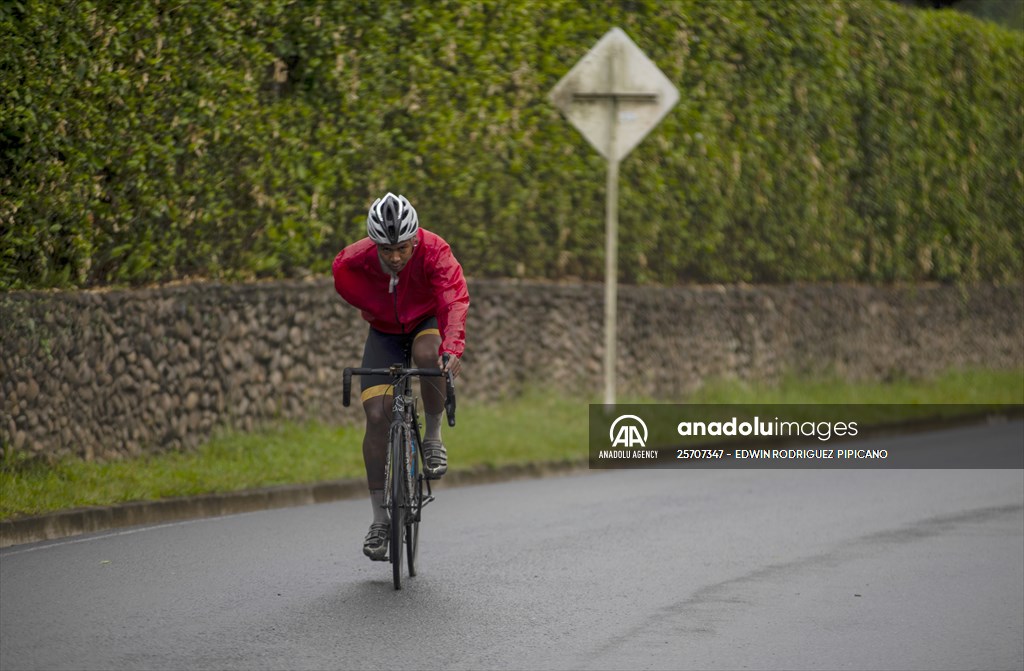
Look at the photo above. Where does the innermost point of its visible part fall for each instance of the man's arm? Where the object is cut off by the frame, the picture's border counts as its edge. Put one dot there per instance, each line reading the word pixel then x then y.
pixel 451 296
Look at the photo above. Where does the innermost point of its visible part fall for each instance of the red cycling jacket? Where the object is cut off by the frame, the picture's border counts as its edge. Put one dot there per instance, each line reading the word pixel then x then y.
pixel 430 285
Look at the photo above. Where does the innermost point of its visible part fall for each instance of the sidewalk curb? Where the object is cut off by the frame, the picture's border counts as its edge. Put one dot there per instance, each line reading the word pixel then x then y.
pixel 79 521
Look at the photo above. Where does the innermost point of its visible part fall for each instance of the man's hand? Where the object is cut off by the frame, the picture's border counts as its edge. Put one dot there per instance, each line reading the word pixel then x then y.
pixel 454 364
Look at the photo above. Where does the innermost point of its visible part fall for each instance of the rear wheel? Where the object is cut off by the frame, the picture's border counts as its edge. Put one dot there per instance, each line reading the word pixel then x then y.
pixel 397 509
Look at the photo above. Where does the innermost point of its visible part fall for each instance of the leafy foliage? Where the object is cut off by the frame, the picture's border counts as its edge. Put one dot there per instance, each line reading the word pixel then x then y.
pixel 827 141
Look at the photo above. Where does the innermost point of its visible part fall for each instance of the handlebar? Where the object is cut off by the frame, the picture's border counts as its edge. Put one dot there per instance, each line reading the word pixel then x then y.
pixel 397 372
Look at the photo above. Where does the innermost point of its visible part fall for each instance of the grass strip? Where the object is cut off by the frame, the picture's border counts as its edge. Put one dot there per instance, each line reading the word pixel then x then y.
pixel 535 427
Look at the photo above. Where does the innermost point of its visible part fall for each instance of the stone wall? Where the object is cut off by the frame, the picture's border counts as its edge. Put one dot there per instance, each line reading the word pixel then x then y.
pixel 112 373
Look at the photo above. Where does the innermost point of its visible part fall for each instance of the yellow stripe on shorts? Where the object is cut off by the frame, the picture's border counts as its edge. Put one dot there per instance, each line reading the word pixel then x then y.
pixel 375 391
pixel 424 332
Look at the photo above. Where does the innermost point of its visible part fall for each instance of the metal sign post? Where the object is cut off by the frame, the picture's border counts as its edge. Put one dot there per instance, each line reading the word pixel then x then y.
pixel 614 96
pixel 611 279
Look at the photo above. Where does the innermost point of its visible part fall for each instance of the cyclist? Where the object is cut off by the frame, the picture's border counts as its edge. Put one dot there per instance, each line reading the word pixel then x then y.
pixel 411 290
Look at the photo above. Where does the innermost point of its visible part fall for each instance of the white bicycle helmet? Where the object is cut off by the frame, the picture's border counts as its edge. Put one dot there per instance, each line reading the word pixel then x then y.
pixel 392 220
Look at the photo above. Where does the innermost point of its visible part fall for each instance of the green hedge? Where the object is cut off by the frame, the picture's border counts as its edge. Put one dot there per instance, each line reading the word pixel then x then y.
pixel 814 141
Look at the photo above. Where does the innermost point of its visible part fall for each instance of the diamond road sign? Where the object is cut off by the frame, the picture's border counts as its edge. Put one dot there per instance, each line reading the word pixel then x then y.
pixel 615 95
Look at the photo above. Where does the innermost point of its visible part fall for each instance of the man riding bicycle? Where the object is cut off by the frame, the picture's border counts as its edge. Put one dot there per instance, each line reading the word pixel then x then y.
pixel 411 290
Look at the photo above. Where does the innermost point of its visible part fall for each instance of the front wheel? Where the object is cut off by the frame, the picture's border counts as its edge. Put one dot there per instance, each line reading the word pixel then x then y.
pixel 397 508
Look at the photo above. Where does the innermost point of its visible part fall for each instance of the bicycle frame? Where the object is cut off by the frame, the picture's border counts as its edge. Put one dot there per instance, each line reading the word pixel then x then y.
pixel 404 417
pixel 404 440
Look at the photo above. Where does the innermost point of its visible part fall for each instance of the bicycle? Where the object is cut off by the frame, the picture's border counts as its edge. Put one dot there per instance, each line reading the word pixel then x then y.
pixel 404 486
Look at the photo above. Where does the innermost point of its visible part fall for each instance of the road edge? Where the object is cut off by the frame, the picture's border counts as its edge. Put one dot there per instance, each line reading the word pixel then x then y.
pixel 79 521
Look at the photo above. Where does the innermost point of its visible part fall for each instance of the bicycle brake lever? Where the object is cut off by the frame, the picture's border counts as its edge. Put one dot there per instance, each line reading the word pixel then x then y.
pixel 449 401
pixel 449 406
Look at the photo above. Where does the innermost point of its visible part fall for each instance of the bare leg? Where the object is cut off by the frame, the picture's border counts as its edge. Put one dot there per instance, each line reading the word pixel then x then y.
pixel 432 389
pixel 424 355
pixel 378 420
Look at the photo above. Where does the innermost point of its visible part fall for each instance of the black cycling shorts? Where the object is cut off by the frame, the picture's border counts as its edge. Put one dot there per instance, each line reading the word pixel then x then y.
pixel 383 349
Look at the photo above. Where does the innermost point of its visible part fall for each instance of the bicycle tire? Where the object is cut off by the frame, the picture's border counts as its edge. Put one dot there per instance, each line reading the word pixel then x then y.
pixel 397 508
pixel 412 522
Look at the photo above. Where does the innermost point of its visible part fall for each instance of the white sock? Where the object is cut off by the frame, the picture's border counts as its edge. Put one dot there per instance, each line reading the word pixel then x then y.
pixel 380 515
pixel 433 426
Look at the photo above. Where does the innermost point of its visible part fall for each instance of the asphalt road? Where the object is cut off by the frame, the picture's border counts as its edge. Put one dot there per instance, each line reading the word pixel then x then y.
pixel 658 569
